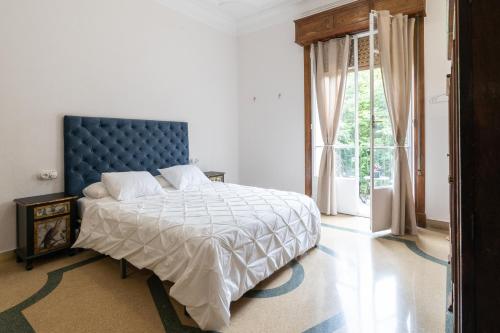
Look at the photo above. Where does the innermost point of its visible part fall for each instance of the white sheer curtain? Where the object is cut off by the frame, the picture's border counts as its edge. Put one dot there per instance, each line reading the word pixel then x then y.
pixel 329 65
pixel 396 46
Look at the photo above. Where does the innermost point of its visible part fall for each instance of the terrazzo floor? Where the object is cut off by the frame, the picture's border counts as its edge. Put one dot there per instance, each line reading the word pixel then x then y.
pixel 354 281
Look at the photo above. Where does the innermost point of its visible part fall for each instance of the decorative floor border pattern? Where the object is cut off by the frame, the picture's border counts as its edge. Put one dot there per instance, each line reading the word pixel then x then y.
pixel 171 322
pixel 295 280
pixel 412 246
pixel 12 319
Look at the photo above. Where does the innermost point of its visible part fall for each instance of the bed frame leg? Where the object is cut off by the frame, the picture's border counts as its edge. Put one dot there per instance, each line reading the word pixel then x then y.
pixel 123 268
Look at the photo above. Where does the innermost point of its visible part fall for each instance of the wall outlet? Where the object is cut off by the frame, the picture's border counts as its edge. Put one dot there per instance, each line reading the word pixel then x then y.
pixel 48 174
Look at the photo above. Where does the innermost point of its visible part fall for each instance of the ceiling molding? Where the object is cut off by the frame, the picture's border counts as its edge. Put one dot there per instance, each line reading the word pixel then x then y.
pixel 203 12
pixel 286 12
pixel 323 8
pixel 283 11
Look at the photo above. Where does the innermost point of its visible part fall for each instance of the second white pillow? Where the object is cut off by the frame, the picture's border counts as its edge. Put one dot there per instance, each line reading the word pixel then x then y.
pixel 131 184
pixel 96 191
pixel 182 176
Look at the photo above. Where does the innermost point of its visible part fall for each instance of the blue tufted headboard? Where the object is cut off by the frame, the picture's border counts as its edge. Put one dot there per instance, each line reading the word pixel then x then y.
pixel 96 145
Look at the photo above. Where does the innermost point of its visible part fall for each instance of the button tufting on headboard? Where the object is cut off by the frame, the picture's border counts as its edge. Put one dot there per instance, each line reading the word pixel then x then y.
pixel 96 145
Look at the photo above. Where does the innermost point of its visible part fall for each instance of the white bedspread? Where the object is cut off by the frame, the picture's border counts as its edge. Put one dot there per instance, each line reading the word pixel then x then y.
pixel 215 241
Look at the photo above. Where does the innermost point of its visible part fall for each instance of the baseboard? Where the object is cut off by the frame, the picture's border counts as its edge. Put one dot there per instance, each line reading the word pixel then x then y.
pixel 7 255
pixel 438 224
pixel 421 220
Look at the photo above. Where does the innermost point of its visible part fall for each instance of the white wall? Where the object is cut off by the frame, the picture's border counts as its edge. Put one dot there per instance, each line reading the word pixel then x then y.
pixel 271 128
pixel 114 58
pixel 437 67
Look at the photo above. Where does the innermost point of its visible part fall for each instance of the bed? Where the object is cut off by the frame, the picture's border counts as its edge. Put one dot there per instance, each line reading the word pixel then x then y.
pixel 214 241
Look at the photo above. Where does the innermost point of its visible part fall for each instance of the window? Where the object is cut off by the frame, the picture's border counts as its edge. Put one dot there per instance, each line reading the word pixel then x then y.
pixel 353 142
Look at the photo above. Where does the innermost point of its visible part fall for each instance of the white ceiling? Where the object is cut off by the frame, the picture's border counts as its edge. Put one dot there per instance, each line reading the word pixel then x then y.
pixel 239 9
pixel 242 16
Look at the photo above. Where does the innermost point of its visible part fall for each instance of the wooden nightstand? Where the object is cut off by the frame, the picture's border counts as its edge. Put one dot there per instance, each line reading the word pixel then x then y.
pixel 215 176
pixel 45 224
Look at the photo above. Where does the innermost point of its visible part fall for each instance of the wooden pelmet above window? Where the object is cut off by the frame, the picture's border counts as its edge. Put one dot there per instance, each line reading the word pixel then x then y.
pixel 350 18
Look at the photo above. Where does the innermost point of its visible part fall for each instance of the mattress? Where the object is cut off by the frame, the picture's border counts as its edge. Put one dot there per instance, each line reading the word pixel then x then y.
pixel 214 241
pixel 84 202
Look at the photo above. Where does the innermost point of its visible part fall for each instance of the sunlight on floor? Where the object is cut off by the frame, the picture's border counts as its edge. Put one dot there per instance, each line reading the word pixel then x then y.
pixel 432 240
pixel 358 223
pixel 391 284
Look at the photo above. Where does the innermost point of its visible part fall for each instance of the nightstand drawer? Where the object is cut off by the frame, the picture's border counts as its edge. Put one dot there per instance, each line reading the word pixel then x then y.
pixel 52 234
pixel 57 208
pixel 217 179
pixel 215 176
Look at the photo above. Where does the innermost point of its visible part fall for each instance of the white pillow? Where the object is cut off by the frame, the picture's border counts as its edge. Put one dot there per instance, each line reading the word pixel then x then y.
pixel 182 176
pixel 131 184
pixel 96 191
pixel 164 184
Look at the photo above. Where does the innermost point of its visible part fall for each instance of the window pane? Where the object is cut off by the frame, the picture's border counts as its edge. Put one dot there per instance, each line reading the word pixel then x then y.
pixel 317 138
pixel 346 131
pixel 364 174
pixel 316 159
pixel 383 128
pixel 383 167
pixel 364 108
pixel 345 162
